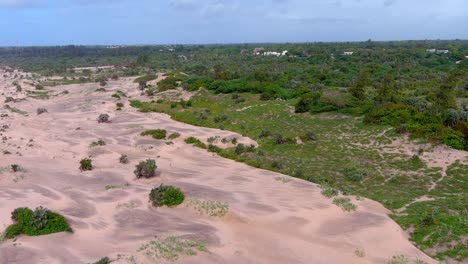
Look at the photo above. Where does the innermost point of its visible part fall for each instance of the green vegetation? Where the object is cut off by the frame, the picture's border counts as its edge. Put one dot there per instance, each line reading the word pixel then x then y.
pixel 173 136
pixel 345 204
pixel 145 169
pixel 99 142
pixel 172 247
pixel 36 223
pixel 104 260
pixel 211 208
pixel 86 164
pixel 155 133
pixel 123 159
pixel 196 142
pixel 165 195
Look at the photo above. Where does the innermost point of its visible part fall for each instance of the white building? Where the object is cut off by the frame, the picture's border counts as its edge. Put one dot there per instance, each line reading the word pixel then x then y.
pixel 466 56
pixel 348 53
pixel 458 62
pixel 431 50
pixel 272 53
pixel 442 51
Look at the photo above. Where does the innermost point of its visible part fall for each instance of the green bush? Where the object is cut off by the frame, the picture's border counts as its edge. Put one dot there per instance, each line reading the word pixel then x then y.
pixel 174 136
pixel 104 260
pixel 391 114
pixel 307 101
pixel 196 142
pixel 155 133
pixel 123 159
pixel 145 169
pixel 166 195
pixel 86 164
pixel 36 223
pixel 214 148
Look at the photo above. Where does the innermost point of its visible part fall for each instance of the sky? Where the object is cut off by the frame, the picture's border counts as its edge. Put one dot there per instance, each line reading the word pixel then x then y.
pixel 127 22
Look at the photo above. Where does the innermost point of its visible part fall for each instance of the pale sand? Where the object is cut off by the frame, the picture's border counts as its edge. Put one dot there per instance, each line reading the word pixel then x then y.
pixel 268 222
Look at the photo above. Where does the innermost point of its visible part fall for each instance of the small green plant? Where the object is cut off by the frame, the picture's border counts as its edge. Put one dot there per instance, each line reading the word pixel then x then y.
pixel 155 133
pixel 123 159
pixel 36 223
pixel 360 253
pixel 354 173
pixel 173 136
pixel 171 248
pixel 211 208
pixel 104 260
pixel 345 204
pixel 214 148
pixel 99 142
pixel 328 191
pixel 86 164
pixel 400 259
pixel 145 169
pixel 119 104
pixel 166 195
pixel 103 118
pixel 196 142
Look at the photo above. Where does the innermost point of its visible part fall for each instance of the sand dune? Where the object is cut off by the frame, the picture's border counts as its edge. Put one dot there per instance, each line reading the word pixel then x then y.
pixel 268 221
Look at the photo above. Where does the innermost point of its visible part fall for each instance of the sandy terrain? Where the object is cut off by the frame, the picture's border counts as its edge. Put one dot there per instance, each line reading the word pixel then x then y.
pixel 268 221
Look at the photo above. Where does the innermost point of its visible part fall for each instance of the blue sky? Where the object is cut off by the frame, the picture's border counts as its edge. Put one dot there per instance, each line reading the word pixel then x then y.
pixel 87 22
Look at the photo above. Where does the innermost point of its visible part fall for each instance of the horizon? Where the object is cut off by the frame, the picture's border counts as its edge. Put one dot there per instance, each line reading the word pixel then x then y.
pixel 200 22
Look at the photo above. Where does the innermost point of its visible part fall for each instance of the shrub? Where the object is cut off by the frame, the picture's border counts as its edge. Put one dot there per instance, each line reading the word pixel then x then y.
pixel 104 260
pixel 166 195
pixel 276 165
pixel 345 204
pixel 328 191
pixel 279 140
pixel 86 164
pixel 196 142
pixel 119 104
pixel 214 148
pixel 145 169
pixel 103 118
pixel 155 133
pixel 123 159
pixel 309 136
pixel 173 136
pixel 100 142
pixel 239 149
pixel 39 87
pixel 16 167
pixel 41 110
pixel 307 101
pixel 354 173
pixel 35 223
pixel 265 133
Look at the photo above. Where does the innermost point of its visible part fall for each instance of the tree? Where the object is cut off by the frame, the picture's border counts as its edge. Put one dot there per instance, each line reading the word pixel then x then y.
pixel 142 59
pixel 307 100
pixel 358 89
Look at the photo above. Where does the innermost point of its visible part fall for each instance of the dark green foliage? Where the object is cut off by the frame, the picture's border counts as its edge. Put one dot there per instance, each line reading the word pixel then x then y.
pixel 307 101
pixel 155 133
pixel 86 164
pixel 174 135
pixel 355 173
pixel 145 169
pixel 103 118
pixel 104 260
pixel 123 159
pixel 166 196
pixel 36 223
pixel 119 104
pixel 214 148
pixel 265 133
pixel 196 142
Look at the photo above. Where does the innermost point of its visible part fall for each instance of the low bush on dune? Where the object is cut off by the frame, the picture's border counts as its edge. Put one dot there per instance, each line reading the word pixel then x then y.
pixel 103 118
pixel 345 204
pixel 155 133
pixel 123 159
pixel 36 223
pixel 174 135
pixel 86 164
pixel 145 169
pixel 166 195
pixel 99 142
pixel 41 110
pixel 196 142
pixel 104 260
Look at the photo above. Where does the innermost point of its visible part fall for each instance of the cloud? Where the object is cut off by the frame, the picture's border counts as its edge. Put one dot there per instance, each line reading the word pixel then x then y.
pixel 184 4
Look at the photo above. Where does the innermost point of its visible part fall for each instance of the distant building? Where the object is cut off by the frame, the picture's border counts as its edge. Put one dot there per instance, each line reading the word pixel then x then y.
pixel 458 62
pixel 244 51
pixel 258 51
pixel 270 53
pixel 442 51
pixel 431 50
pixel 466 56
pixel 348 53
